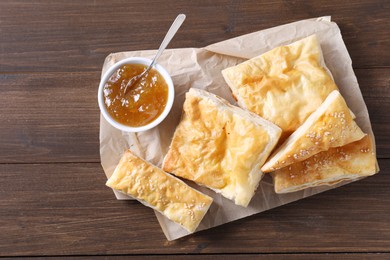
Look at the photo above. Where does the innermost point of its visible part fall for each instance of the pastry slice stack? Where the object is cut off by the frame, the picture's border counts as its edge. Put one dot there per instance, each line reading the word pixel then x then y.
pixel 349 162
pixel 321 143
pixel 331 125
pixel 327 149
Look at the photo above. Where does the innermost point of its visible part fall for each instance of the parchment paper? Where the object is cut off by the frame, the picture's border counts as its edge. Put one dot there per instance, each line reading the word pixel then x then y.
pixel 201 68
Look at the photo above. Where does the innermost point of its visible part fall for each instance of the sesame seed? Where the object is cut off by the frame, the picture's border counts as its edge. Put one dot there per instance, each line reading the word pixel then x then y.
pixel 311 135
pixel 303 152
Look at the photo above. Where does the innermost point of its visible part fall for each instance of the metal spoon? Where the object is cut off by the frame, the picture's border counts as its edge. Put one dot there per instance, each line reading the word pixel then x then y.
pixel 168 37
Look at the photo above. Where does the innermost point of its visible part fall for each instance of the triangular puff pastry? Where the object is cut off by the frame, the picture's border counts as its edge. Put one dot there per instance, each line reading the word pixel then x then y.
pixel 284 85
pixel 331 125
pixel 220 146
pixel 350 162
pixel 160 191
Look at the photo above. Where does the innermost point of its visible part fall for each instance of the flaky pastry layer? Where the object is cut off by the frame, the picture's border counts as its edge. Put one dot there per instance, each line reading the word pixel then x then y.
pixel 331 125
pixel 284 85
pixel 350 162
pixel 160 191
pixel 220 146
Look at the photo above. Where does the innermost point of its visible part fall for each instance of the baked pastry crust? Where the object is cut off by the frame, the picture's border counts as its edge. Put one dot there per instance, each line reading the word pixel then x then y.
pixel 160 191
pixel 331 125
pixel 350 162
pixel 220 146
pixel 284 85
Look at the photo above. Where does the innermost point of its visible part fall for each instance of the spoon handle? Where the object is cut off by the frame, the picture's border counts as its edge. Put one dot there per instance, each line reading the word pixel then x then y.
pixel 168 37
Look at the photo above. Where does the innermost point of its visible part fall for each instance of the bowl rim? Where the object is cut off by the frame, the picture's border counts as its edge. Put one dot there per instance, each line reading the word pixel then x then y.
pixel 143 61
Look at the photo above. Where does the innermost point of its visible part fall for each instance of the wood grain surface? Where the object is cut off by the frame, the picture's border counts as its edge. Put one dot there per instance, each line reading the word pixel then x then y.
pixel 345 256
pixel 65 209
pixel 53 201
pixel 72 35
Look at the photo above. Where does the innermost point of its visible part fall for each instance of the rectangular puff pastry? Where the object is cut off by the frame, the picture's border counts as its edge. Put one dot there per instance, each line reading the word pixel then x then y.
pixel 350 162
pixel 160 191
pixel 220 146
pixel 284 85
pixel 331 125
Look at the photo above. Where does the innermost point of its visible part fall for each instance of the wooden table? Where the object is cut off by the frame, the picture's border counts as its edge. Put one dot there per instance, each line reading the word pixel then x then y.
pixel 53 201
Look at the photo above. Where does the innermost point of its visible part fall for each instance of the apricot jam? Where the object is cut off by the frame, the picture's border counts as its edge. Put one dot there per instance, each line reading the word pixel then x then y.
pixel 143 102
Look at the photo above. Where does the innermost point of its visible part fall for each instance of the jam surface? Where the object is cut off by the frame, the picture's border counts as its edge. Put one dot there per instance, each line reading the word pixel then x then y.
pixel 144 101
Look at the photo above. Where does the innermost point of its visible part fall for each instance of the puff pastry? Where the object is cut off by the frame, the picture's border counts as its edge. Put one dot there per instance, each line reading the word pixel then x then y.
pixel 284 85
pixel 331 125
pixel 160 191
pixel 350 162
pixel 220 146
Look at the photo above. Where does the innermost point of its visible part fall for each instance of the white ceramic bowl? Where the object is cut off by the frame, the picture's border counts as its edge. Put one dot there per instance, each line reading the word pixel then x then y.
pixel 158 120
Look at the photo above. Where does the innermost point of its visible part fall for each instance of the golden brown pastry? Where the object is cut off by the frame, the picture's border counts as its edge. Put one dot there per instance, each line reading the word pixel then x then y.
pixel 352 161
pixel 160 191
pixel 331 125
pixel 284 85
pixel 220 146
